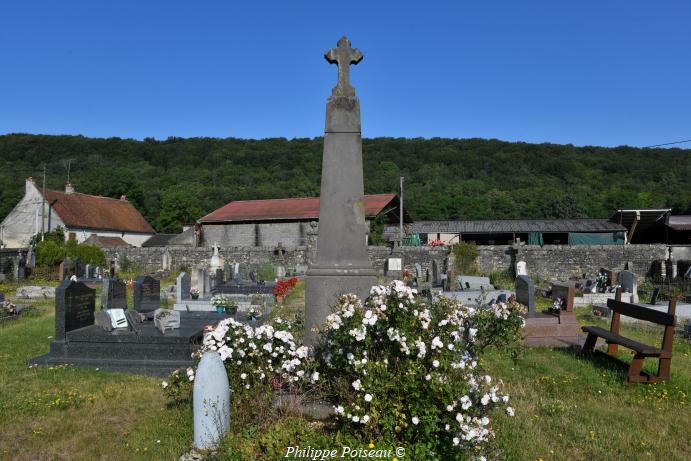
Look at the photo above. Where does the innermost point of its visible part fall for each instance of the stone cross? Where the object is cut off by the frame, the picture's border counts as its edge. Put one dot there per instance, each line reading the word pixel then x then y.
pixel 343 56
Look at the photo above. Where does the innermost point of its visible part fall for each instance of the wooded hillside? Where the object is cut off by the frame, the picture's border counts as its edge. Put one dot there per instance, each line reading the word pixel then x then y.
pixel 175 181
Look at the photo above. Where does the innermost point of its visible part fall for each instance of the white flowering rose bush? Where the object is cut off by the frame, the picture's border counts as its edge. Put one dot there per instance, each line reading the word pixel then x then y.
pixel 263 356
pixel 407 372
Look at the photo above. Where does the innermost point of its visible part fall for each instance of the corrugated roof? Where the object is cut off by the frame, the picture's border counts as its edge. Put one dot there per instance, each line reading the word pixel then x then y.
pixel 680 222
pixel 93 212
pixel 286 208
pixel 508 226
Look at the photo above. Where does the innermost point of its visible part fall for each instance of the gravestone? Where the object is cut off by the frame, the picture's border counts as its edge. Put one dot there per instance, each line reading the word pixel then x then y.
pixel 611 276
pixel 342 264
pixel 628 265
pixel 471 282
pixel 113 294
pixel 521 268
pixel 280 271
pixel 2 297
pixel 627 280
pixel 418 273
pixel 78 268
pixel 687 274
pixel 207 282
pixel 436 273
pixel 236 270
pixel 147 294
pixel 566 292
pixel 199 281
pixel 103 320
pixel 89 272
pixel 653 298
pixel 227 272
pixel 75 304
pixel 525 292
pixel 219 278
pixel 394 267
pixel 183 285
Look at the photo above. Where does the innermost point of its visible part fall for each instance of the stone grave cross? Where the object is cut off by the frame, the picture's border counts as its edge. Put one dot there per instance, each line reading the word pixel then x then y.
pixel 343 56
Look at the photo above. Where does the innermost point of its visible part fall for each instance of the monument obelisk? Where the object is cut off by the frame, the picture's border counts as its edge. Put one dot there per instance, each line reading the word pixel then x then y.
pixel 341 265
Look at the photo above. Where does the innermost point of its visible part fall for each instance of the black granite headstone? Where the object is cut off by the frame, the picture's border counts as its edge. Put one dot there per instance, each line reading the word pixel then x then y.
pixel 525 292
pixel 219 278
pixel 75 304
pixel 147 294
pixel 2 297
pixel 78 268
pixel 114 294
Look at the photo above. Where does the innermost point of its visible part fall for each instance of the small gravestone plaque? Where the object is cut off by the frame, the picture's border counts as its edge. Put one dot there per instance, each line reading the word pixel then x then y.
pixel 183 285
pixel 114 294
pixel 627 280
pixel 521 268
pixel 75 304
pixel 89 272
pixel 117 318
pixel 103 320
pixel 147 294
pixel 525 292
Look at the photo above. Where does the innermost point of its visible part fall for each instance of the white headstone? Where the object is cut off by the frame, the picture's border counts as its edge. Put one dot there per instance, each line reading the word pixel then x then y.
pixel 211 402
pixel 215 259
pixel 521 268
pixel 395 264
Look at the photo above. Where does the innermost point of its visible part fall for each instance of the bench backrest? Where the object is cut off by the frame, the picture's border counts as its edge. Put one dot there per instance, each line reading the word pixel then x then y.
pixel 644 313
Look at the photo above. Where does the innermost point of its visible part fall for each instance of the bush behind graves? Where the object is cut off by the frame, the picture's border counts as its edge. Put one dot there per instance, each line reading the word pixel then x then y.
pixel 466 258
pixel 407 372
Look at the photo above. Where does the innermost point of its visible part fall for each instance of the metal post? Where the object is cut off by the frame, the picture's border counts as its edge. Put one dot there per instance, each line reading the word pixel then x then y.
pixel 401 215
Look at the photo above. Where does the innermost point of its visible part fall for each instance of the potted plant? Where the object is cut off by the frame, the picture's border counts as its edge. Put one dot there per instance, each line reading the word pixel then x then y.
pixel 194 292
pixel 253 315
pixel 220 302
pixel 557 306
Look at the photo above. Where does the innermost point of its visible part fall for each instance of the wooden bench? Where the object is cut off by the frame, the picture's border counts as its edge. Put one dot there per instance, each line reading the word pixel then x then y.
pixel 614 339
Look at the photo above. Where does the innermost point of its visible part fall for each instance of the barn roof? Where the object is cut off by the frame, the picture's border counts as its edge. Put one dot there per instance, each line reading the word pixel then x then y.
pixel 93 212
pixel 106 242
pixel 508 226
pixel 287 209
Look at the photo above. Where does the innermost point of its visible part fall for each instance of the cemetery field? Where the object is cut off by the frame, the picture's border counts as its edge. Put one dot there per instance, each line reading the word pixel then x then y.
pixel 567 408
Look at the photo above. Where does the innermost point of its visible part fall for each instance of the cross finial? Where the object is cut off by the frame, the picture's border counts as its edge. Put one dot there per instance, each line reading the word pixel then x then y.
pixel 343 56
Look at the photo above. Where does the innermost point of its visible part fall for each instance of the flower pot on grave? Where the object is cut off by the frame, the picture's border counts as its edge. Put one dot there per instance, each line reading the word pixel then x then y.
pixel 220 309
pixel 195 296
pixel 231 310
pixel 279 299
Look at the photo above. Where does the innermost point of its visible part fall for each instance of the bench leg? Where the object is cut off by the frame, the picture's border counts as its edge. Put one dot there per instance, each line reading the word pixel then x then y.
pixel 612 348
pixel 635 370
pixel 663 369
pixel 589 344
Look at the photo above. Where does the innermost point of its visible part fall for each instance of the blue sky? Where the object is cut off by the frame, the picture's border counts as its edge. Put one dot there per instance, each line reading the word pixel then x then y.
pixel 580 72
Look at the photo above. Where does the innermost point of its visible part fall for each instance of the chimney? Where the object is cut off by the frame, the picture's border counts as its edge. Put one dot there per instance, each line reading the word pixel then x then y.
pixel 29 184
pixel 69 188
pixel 123 198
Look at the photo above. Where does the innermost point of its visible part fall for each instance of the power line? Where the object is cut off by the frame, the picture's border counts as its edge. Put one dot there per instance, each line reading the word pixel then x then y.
pixel 667 144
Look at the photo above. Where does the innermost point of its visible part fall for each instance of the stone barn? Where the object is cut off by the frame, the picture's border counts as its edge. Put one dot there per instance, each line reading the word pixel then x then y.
pixel 288 222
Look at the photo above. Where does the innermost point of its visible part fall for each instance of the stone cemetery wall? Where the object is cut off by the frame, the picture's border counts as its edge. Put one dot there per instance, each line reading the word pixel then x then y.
pixel 563 262
pixel 546 263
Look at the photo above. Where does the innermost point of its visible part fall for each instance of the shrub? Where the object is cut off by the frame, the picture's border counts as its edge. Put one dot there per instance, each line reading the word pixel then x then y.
pixel 401 370
pixel 266 272
pixel 502 280
pixel 465 254
pixel 49 253
pixel 284 287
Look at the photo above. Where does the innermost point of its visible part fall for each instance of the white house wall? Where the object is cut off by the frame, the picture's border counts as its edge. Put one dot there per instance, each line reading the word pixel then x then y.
pixel 24 221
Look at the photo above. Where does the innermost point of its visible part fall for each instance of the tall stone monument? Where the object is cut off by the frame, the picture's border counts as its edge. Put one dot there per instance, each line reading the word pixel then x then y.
pixel 342 265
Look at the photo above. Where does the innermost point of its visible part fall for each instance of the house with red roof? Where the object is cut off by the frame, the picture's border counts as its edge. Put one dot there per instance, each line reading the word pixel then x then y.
pixel 83 217
pixel 266 223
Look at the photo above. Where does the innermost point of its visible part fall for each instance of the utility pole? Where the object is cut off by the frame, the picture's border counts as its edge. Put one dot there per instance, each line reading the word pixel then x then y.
pixel 69 164
pixel 43 206
pixel 401 215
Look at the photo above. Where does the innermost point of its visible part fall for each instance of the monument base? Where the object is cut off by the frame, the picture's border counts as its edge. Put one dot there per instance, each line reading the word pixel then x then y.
pixel 147 351
pixel 547 329
pixel 323 286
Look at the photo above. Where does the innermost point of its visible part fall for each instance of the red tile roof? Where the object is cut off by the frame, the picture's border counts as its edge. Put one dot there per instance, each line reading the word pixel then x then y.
pixel 93 212
pixel 286 209
pixel 106 242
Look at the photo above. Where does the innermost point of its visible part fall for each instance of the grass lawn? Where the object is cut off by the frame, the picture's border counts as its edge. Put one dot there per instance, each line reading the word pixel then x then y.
pixel 567 408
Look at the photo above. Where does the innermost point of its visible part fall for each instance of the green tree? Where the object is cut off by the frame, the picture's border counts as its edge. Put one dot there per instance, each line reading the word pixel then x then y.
pixel 178 208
